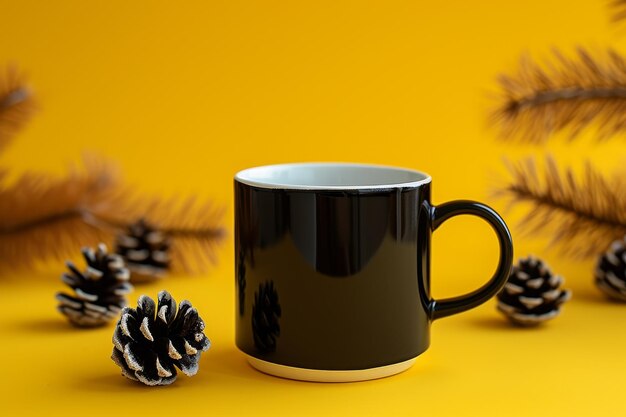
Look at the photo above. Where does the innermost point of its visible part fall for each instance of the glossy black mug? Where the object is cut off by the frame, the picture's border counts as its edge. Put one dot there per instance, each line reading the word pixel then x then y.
pixel 333 268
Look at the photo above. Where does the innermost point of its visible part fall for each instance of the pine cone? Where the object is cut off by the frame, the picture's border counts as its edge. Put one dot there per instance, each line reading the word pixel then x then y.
pixel 151 342
pixel 532 293
pixel 266 312
pixel 611 271
pixel 145 250
pixel 100 290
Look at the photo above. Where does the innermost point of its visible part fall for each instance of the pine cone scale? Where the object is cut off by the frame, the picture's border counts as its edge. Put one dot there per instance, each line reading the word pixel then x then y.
pixel 68 301
pixel 162 371
pixel 552 295
pixel 144 328
pixel 172 351
pixel 513 289
pixel 73 269
pixel 613 279
pixel 506 308
pixel 150 369
pixel 530 302
pixel 118 358
pixel 69 279
pixel 189 365
pixel 161 256
pixel 85 296
pixel 96 308
pixel 178 324
pixel 146 306
pixel 118 339
pixel 93 273
pixel 133 356
pixel 167 307
pixel 612 258
pixel 610 291
pixel 129 325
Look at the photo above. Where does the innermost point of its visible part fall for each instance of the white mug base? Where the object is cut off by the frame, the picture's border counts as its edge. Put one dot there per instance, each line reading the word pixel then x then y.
pixel 319 375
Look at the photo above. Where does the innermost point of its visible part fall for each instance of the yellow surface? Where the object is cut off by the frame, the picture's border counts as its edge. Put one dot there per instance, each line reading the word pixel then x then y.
pixel 185 94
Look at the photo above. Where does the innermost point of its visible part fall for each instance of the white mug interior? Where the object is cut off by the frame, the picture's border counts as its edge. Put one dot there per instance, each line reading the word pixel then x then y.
pixel 331 176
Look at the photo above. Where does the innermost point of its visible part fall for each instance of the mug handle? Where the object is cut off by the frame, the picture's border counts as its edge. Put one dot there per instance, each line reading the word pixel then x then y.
pixel 443 212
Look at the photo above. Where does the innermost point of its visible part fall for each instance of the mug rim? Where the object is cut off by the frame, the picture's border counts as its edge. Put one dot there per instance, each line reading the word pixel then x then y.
pixel 247 176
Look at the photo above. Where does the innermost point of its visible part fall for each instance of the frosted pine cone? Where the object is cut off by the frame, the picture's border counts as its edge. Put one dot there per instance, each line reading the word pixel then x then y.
pixel 532 294
pixel 611 271
pixel 100 291
pixel 152 341
pixel 145 250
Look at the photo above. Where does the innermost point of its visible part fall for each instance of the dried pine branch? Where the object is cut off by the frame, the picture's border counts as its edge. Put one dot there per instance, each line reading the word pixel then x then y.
pixel 583 215
pixel 618 9
pixel 16 105
pixel 568 94
pixel 195 228
pixel 43 218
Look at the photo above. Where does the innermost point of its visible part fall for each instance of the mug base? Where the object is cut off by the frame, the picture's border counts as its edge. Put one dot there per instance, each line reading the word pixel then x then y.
pixel 320 375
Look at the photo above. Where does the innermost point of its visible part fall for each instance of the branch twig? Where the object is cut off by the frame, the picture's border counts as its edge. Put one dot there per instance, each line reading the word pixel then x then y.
pixel 568 94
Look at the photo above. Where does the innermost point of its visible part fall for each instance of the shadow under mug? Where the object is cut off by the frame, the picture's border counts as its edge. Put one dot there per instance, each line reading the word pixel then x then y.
pixel 333 268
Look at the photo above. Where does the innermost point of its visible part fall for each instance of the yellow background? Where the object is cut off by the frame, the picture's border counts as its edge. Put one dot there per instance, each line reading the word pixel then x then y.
pixel 185 94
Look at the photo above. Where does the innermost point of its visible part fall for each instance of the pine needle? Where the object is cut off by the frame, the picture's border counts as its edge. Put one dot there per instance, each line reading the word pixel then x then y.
pixel 567 94
pixel 583 215
pixel 43 218
pixel 16 105
pixel 618 8
pixel 194 227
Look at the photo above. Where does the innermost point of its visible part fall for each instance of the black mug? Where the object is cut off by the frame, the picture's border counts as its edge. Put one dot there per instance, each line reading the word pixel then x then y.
pixel 333 268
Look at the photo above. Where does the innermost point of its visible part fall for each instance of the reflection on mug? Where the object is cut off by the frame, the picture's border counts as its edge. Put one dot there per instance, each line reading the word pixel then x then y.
pixel 241 282
pixel 251 233
pixel 338 221
pixel 266 313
